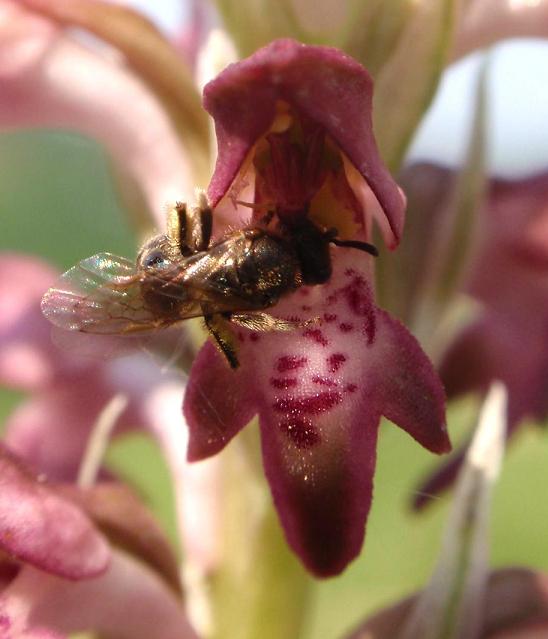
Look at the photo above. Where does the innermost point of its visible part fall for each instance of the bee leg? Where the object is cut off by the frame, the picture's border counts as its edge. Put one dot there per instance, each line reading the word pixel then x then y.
pixel 189 227
pixel 264 323
pixel 219 328
pixel 199 224
pixel 177 229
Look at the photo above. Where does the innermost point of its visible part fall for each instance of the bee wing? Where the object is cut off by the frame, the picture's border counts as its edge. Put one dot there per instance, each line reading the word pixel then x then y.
pixel 101 294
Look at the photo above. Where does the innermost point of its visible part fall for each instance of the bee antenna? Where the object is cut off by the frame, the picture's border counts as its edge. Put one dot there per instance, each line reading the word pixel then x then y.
pixel 265 206
pixel 362 246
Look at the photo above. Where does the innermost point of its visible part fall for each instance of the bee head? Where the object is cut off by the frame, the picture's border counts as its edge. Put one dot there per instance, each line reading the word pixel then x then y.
pixel 156 254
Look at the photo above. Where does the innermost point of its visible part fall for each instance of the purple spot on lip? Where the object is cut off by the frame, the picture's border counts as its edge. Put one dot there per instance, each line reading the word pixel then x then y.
pixel 351 388
pixel 282 383
pixel 301 431
pixel 323 381
pixel 316 335
pixel 290 363
pixel 306 307
pixel 254 337
pixel 369 329
pixel 310 405
pixel 335 361
pixel 358 302
pixel 329 317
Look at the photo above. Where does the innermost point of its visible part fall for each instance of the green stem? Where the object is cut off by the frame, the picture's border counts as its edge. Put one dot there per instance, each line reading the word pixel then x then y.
pixel 261 590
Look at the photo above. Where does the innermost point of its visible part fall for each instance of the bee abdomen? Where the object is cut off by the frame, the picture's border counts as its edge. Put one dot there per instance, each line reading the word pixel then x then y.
pixel 268 269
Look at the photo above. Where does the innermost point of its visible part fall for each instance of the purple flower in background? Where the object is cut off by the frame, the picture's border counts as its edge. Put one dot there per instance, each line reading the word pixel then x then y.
pixel 507 278
pixel 293 125
pixel 58 573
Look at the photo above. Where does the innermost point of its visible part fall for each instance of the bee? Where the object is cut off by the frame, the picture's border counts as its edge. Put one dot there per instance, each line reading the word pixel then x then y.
pixel 183 274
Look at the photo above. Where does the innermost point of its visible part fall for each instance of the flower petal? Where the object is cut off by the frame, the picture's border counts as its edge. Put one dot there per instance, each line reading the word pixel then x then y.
pixel 128 602
pixel 48 79
pixel 506 338
pixel 27 357
pixel 320 411
pixel 218 403
pixel 491 349
pixel 494 349
pixel 322 491
pixel 412 393
pixel 322 83
pixel 13 626
pixel 119 514
pixel 39 527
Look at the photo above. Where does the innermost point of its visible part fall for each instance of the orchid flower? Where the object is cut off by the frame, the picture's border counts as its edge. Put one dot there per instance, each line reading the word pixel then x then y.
pixel 293 128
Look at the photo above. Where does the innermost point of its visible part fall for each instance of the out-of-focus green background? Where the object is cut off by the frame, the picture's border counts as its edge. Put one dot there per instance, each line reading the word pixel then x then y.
pixel 57 201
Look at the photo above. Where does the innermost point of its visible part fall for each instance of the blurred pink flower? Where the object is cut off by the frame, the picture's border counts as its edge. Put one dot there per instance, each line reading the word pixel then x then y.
pixel 42 529
pixel 293 121
pixel 128 601
pixel 482 23
pixel 507 275
pixel 50 430
pixel 59 574
pixel 51 79
pixel 68 392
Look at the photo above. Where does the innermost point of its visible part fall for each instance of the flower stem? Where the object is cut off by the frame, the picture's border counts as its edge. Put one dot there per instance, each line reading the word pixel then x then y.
pixel 98 440
pixel 260 590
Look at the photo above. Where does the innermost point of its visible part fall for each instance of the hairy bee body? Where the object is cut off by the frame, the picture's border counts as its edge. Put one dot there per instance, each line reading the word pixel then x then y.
pixel 182 274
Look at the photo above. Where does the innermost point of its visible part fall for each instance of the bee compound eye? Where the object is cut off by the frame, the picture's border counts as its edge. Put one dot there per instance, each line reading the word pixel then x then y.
pixel 156 259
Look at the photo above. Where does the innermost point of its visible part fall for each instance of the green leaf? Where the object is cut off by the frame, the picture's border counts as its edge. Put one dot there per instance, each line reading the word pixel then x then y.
pixel 373 30
pixel 407 81
pixel 422 282
pixel 451 606
pixel 254 23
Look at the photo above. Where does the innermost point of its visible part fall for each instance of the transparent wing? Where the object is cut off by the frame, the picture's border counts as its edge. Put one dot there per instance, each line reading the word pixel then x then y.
pixel 102 294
